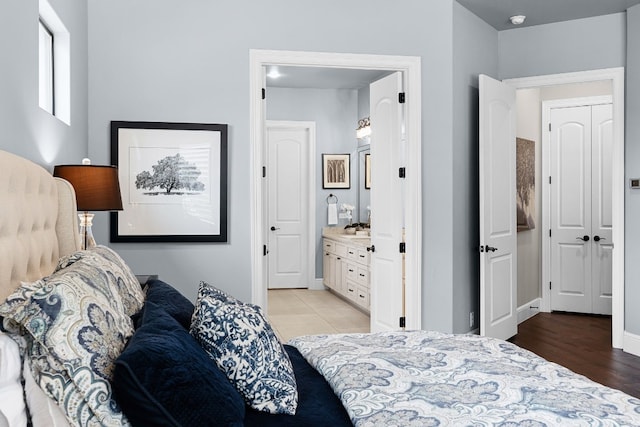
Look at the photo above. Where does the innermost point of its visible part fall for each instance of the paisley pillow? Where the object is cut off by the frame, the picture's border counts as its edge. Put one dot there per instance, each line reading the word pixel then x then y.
pixel 105 261
pixel 242 343
pixel 75 329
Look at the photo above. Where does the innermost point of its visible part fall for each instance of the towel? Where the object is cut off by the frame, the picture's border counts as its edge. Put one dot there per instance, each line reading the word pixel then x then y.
pixel 332 214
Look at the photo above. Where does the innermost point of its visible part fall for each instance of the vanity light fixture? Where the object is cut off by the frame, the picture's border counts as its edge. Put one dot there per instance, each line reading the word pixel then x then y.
pixel 517 19
pixel 364 128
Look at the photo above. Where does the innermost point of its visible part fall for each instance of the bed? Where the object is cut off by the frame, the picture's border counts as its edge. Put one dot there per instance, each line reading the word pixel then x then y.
pixel 82 342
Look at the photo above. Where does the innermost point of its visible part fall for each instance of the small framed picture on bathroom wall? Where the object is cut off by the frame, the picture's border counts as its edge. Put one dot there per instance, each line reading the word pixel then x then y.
pixel 336 171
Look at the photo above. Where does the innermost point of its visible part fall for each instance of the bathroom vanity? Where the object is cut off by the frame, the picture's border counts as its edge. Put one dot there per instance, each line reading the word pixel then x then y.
pixel 346 265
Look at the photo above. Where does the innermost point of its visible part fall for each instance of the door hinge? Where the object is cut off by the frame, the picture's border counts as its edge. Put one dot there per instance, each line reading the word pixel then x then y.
pixel 549 180
pixel 264 250
pixel 264 93
pixel 549 285
pixel 549 126
pixel 403 248
pixel 264 171
pixel 549 232
pixel 403 321
pixel 402 172
pixel 401 97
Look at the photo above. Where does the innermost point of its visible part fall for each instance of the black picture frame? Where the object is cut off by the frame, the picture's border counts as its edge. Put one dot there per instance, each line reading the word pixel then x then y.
pixel 336 171
pixel 158 205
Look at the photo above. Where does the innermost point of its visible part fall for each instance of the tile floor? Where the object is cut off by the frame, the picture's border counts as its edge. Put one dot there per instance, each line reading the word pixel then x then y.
pixel 295 312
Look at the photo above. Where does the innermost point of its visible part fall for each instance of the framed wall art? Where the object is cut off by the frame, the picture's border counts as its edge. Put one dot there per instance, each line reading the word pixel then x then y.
pixel 336 171
pixel 173 180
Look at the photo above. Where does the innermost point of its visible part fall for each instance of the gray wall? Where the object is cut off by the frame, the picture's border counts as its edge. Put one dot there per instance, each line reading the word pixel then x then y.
pixel 632 170
pixel 335 113
pixel 28 130
pixel 475 46
pixel 169 60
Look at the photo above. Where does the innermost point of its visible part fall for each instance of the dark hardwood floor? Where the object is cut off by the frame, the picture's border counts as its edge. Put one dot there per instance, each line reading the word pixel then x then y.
pixel 581 343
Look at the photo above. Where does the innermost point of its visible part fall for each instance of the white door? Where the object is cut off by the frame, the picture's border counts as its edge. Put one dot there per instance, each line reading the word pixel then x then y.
pixel 581 141
pixel 498 266
pixel 602 207
pixel 288 204
pixel 387 295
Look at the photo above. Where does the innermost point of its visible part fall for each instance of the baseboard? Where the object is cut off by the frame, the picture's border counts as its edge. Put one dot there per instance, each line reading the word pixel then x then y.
pixel 317 285
pixel 528 310
pixel 631 343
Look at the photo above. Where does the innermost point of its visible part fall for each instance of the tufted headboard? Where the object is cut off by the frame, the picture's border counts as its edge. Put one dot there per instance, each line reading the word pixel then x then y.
pixel 38 221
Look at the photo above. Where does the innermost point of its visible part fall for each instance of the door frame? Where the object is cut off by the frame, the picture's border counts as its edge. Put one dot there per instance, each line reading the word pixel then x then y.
pixel 616 76
pixel 310 190
pixel 547 106
pixel 410 66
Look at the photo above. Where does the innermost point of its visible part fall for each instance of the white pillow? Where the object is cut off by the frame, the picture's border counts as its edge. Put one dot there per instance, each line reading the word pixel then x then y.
pixel 43 409
pixel 12 406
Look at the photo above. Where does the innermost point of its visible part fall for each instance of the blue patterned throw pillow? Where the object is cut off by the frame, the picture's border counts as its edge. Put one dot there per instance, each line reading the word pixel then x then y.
pixel 243 345
pixel 75 329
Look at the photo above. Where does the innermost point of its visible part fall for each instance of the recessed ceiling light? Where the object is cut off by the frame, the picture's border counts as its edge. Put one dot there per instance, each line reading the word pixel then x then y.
pixel 517 19
pixel 274 73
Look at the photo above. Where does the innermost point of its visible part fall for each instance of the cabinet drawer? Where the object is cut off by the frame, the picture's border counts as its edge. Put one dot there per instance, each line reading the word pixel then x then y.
pixel 352 291
pixel 362 296
pixel 363 256
pixel 339 249
pixel 328 245
pixel 352 253
pixel 351 271
pixel 363 276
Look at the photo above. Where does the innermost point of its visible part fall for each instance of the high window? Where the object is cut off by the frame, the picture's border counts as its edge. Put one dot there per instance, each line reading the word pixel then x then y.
pixel 45 74
pixel 54 63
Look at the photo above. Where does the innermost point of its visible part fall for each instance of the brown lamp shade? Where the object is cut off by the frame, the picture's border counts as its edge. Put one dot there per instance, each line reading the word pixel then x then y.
pixel 97 187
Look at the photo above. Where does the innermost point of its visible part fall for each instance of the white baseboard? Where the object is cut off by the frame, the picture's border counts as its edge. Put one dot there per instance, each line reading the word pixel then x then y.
pixel 631 343
pixel 317 285
pixel 528 310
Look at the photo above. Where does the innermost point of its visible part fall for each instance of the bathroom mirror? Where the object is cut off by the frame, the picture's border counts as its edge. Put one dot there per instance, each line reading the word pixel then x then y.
pixel 364 194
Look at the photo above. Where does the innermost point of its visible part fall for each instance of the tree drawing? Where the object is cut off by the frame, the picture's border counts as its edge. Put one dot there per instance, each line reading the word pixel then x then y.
pixel 525 183
pixel 171 174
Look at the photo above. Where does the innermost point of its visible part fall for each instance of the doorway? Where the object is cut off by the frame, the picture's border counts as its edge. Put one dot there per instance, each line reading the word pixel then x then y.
pixel 410 67
pixel 616 77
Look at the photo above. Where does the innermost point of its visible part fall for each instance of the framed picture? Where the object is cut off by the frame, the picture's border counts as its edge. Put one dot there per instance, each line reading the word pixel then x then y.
pixel 525 184
pixel 173 181
pixel 367 171
pixel 336 171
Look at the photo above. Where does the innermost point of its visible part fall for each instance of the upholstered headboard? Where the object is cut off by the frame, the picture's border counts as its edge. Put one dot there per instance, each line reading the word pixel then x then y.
pixel 38 221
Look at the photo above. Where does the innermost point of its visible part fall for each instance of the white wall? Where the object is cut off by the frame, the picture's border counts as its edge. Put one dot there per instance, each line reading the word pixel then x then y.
pixel 170 60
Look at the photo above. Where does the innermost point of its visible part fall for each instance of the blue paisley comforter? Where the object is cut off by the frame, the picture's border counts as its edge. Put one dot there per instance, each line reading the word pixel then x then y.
pixel 427 378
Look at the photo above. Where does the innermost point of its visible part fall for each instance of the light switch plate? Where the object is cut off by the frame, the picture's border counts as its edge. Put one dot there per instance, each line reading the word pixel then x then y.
pixel 634 182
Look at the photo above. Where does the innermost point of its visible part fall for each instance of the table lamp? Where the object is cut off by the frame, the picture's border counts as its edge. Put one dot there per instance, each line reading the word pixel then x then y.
pixel 97 189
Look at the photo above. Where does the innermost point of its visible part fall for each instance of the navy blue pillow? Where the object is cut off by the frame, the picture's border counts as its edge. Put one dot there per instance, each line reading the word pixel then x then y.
pixel 171 300
pixel 164 378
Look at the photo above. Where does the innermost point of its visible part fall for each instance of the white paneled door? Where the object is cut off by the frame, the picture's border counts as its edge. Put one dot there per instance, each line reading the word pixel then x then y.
pixel 288 204
pixel 498 243
pixel 581 217
pixel 387 205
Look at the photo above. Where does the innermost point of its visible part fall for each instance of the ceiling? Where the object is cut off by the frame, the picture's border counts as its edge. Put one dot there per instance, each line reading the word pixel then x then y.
pixel 322 78
pixel 497 12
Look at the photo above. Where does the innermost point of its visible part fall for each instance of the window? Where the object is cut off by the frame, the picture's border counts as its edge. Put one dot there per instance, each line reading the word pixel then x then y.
pixel 54 63
pixel 45 75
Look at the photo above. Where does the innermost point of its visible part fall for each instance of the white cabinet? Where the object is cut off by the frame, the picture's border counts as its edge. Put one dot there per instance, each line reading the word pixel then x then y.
pixel 346 269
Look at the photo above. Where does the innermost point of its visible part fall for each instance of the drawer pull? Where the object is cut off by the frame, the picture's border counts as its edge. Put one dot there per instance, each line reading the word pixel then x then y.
pixel 361 275
pixel 361 256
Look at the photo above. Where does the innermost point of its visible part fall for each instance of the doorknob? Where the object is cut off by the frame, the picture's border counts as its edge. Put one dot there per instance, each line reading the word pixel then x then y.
pixel 371 248
pixel 584 238
pixel 598 238
pixel 490 248
pixel 274 228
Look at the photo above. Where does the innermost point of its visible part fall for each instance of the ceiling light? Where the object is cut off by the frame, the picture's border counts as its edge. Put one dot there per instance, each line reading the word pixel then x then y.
pixel 274 73
pixel 517 19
